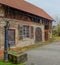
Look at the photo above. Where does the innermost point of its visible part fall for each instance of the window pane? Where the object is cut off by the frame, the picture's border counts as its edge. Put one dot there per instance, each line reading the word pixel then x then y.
pixel 26 31
pixel 20 32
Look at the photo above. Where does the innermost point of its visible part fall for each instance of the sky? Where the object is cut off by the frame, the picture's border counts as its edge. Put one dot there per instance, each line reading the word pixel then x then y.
pixel 50 6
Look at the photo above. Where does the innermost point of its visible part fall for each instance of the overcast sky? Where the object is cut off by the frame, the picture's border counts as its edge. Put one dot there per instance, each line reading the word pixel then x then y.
pixel 52 7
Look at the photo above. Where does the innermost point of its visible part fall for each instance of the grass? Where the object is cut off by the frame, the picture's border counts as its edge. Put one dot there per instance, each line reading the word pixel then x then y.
pixel 8 63
pixel 57 38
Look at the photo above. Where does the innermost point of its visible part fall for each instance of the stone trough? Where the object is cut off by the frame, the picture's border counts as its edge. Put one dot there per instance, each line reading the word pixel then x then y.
pixel 17 57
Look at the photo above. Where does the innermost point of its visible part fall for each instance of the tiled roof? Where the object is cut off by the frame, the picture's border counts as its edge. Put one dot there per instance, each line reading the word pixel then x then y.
pixel 27 7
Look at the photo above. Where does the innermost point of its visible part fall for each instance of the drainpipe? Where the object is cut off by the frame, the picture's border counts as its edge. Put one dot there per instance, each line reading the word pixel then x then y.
pixel 6 42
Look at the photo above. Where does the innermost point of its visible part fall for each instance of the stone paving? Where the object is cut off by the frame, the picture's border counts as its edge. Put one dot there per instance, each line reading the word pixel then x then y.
pixel 46 55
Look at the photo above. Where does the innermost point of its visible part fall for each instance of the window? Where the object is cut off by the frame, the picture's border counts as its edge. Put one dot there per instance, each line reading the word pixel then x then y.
pixel 23 31
pixel 32 32
pixel 46 27
pixel 20 32
pixel 26 31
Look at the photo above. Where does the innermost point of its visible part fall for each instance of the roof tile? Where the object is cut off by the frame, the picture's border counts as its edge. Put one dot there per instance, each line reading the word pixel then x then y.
pixel 27 7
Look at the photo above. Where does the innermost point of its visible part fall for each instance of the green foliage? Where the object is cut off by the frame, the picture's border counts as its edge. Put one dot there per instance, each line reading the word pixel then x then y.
pixel 7 63
pixel 56 30
pixel 57 38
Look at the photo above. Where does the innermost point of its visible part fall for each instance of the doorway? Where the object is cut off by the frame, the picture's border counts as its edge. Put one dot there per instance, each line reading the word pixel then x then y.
pixel 46 35
pixel 11 36
pixel 38 35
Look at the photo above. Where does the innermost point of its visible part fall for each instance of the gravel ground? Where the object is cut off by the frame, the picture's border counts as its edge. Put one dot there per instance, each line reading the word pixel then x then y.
pixel 45 55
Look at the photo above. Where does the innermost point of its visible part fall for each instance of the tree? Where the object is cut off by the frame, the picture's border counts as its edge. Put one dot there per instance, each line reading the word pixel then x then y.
pixel 54 30
pixel 58 29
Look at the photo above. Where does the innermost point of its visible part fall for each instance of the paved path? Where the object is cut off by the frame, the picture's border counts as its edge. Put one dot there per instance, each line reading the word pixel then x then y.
pixel 46 55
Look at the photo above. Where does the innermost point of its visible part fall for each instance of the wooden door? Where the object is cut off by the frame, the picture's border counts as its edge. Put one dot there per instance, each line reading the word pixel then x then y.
pixel 38 35
pixel 46 35
pixel 11 36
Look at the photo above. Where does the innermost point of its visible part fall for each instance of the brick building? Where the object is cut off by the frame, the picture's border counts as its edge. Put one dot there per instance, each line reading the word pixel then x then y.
pixel 28 23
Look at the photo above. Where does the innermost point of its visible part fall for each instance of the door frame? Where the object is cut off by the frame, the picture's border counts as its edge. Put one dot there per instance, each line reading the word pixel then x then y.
pixel 37 35
pixel 14 34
